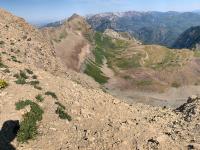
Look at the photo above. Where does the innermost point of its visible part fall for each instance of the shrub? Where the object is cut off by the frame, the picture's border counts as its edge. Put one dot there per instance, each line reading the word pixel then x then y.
pixel 29 71
pixel 22 104
pixel 4 52
pixel 39 98
pixel 52 94
pixel 20 81
pixel 34 82
pixel 175 84
pixel 14 58
pixel 28 127
pixel 23 74
pixel 62 114
pixel 16 75
pixel 6 70
pixel 3 84
pixel 34 77
pixel 60 105
pixel 37 87
pixel 21 77
pixel 2 42
pixel 3 65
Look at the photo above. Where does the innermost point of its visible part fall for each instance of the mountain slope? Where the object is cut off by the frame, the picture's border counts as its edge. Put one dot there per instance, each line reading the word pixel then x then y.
pixel 189 39
pixel 149 27
pixel 49 111
pixel 70 41
pixel 26 42
pixel 128 69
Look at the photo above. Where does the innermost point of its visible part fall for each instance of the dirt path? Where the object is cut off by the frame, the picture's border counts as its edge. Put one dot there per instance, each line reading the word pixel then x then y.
pixel 106 70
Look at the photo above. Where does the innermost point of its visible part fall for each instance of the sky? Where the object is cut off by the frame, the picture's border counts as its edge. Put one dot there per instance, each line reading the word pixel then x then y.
pixel 42 11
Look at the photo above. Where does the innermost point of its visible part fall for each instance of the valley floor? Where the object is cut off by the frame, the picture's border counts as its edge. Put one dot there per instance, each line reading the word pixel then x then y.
pixel 172 97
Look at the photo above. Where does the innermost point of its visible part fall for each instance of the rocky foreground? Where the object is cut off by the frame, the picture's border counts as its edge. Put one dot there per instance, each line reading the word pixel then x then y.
pixel 43 107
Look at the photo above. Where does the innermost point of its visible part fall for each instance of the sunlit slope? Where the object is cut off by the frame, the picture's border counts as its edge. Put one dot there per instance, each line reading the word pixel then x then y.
pixel 70 40
pixel 147 67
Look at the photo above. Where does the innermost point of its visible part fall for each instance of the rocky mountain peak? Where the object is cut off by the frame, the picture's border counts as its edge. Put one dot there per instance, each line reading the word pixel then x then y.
pixel 70 40
pixel 75 16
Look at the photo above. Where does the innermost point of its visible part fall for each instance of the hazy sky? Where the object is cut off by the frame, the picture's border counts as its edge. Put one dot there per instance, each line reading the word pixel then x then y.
pixel 38 11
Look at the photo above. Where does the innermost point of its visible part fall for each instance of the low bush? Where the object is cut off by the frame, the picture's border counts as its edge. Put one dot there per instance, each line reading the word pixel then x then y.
pixel 3 84
pixel 62 114
pixel 175 84
pixel 37 87
pixel 22 104
pixel 39 98
pixel 20 81
pixel 15 59
pixel 29 71
pixel 52 94
pixel 34 77
pixel 6 70
pixel 2 42
pixel 22 74
pixel 22 78
pixel 34 82
pixel 3 65
pixel 60 105
pixel 28 127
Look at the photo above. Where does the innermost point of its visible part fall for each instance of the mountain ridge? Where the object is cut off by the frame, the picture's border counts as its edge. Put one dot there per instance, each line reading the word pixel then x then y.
pixel 189 39
pixel 150 27
pixel 124 66
pixel 69 41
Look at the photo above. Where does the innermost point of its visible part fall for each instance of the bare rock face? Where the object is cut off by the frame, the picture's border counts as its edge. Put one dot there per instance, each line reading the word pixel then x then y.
pixel 120 35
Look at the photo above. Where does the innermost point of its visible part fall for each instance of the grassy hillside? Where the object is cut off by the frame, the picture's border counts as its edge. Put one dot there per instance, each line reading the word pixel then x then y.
pixel 104 48
pixel 139 66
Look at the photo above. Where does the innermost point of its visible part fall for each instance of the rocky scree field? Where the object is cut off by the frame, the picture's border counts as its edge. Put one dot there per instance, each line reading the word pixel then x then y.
pixel 41 110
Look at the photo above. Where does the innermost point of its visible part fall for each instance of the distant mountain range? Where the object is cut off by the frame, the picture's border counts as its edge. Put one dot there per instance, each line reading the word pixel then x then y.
pixel 197 11
pixel 53 24
pixel 149 27
pixel 189 39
